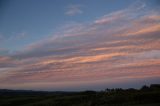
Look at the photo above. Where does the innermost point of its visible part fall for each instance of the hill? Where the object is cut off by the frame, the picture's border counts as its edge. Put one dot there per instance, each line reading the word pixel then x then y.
pixel 146 96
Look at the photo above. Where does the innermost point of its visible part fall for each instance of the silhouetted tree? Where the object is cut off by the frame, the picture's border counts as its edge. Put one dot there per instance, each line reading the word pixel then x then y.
pixel 145 88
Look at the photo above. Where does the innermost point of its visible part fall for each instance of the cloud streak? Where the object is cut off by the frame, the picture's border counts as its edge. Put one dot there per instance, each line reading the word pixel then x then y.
pixel 122 45
pixel 74 10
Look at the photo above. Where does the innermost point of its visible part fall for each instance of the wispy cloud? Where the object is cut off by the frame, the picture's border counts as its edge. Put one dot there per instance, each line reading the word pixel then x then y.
pixel 3 51
pixel 120 45
pixel 74 10
pixel 13 37
pixel 1 37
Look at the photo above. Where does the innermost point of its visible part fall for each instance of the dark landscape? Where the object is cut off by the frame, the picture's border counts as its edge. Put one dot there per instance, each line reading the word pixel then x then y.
pixel 146 96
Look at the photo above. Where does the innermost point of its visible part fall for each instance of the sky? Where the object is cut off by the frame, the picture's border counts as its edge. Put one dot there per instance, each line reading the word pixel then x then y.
pixel 74 45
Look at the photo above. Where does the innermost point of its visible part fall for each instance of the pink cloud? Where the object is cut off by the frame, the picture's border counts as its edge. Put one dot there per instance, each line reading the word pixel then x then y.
pixel 121 45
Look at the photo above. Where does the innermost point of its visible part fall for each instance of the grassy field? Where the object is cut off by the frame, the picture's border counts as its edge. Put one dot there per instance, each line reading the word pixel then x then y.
pixel 147 96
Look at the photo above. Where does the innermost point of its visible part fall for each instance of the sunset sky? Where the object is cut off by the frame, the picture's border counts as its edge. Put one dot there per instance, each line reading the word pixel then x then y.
pixel 79 44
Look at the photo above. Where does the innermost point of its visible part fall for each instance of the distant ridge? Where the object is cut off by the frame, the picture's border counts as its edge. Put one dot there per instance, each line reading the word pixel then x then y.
pixel 152 86
pixel 145 96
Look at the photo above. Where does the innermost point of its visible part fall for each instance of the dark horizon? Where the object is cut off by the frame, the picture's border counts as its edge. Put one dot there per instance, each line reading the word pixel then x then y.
pixel 146 96
pixel 135 85
pixel 9 91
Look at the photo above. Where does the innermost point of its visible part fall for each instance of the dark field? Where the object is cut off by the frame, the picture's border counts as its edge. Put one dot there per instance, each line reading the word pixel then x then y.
pixel 146 96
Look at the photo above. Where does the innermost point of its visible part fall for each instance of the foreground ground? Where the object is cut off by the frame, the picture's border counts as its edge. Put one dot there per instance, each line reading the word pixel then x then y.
pixel 146 96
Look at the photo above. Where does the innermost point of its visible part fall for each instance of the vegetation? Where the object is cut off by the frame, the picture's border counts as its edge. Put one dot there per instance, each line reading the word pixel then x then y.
pixel 146 96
